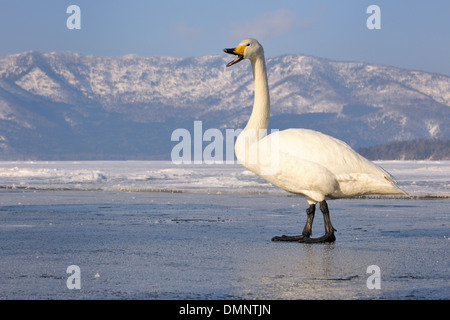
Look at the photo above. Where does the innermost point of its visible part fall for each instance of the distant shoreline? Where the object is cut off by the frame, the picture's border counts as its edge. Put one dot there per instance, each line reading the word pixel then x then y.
pixel 419 149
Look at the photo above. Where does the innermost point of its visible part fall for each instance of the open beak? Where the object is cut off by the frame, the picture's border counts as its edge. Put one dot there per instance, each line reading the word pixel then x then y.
pixel 233 51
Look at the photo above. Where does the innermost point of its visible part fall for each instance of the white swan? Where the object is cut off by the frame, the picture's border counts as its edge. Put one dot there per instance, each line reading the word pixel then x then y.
pixel 301 161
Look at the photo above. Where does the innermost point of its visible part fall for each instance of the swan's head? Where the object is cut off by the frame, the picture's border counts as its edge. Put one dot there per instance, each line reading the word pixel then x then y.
pixel 247 49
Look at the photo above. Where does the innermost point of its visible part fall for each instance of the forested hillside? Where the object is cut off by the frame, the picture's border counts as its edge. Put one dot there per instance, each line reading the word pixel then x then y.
pixel 420 149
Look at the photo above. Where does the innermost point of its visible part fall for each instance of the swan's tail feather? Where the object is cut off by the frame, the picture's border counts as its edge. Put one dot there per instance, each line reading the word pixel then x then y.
pixel 361 184
pixel 393 183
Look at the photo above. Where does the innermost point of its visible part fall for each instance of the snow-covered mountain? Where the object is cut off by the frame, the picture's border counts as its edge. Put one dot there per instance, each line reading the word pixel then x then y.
pixel 65 105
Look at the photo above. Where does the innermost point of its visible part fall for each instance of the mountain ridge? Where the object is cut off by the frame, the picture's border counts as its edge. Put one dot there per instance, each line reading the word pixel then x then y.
pixel 63 104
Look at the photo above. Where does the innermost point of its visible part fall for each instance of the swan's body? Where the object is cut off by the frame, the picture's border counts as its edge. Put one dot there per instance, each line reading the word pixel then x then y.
pixel 315 165
pixel 302 161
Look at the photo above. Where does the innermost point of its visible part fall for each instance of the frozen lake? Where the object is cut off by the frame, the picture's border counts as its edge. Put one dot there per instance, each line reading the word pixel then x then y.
pixel 153 230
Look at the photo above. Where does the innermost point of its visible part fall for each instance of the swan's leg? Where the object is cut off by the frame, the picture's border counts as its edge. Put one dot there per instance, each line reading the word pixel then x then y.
pixel 329 229
pixel 306 230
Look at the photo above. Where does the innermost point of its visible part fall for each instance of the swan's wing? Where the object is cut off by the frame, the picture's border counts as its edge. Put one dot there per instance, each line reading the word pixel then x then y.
pixel 334 154
pixel 310 160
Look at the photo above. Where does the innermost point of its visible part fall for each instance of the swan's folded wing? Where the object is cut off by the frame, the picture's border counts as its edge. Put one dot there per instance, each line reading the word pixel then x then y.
pixel 310 160
pixel 334 154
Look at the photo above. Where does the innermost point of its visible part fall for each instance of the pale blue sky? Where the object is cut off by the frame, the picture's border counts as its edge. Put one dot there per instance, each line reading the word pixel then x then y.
pixel 414 34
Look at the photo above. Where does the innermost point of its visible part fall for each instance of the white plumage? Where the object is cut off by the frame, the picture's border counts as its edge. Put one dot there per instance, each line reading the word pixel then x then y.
pixel 302 161
pixel 315 165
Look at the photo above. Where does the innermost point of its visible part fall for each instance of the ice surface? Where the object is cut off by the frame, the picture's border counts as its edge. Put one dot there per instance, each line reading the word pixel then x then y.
pixel 129 176
pixel 421 179
pixel 211 239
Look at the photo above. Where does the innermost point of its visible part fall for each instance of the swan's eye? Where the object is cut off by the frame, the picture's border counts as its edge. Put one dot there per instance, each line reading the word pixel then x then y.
pixel 248 44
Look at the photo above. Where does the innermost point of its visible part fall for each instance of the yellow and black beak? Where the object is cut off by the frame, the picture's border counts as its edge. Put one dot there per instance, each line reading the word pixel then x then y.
pixel 239 51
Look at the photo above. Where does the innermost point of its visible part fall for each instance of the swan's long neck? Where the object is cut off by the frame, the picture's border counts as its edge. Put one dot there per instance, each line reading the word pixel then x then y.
pixel 256 127
pixel 259 119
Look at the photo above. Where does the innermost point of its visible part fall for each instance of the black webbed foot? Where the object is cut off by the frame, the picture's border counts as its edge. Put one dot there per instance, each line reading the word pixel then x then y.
pixel 329 237
pixel 289 238
pixel 306 239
